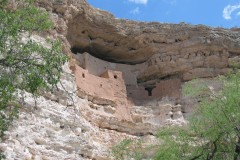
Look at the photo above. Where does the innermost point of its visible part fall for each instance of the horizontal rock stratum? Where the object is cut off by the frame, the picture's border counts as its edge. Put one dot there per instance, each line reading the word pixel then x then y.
pixel 180 50
pixel 154 58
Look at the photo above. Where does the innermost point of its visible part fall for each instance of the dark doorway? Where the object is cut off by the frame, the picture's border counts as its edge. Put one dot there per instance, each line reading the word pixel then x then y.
pixel 149 89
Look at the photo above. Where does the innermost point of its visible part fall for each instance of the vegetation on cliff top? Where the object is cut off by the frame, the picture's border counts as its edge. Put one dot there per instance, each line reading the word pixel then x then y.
pixel 25 65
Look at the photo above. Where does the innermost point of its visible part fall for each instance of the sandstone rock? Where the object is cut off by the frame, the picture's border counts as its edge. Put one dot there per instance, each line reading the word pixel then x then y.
pixel 168 49
pixel 54 131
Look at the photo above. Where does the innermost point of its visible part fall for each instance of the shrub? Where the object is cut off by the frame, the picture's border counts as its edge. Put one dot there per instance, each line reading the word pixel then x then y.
pixel 24 63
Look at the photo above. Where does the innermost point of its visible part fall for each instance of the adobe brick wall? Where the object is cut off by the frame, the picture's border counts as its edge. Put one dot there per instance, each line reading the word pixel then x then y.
pixel 104 86
pixel 97 66
pixel 165 88
pixel 110 87
pixel 137 94
pixel 170 88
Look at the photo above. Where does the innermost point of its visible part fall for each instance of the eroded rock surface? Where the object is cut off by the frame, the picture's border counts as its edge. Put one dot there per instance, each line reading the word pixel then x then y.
pixel 57 129
pixel 169 50
pixel 125 81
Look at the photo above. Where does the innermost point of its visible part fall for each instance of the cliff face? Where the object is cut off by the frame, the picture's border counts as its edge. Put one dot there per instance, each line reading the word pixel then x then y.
pixel 57 128
pixel 125 81
pixel 181 50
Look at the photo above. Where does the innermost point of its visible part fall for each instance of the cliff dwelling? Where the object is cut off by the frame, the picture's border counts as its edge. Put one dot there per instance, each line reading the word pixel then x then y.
pixel 133 72
pixel 115 87
pixel 114 83
pixel 125 80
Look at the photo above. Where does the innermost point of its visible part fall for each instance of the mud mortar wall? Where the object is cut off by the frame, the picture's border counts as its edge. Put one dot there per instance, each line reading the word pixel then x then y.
pixel 109 88
pixel 165 88
pixel 97 66
pixel 101 84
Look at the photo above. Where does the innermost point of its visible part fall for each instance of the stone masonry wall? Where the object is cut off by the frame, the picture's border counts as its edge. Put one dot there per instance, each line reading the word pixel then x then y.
pixel 165 88
pixel 97 66
pixel 109 88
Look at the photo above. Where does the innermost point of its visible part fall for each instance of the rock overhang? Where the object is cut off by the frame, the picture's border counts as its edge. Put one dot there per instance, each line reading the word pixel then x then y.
pixel 170 50
pixel 125 41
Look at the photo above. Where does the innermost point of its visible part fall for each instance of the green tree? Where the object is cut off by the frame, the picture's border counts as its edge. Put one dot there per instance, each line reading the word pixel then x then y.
pixel 24 63
pixel 129 149
pixel 213 132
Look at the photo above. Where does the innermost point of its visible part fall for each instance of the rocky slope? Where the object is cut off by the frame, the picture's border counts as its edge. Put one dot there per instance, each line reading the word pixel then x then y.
pixel 60 125
pixel 56 128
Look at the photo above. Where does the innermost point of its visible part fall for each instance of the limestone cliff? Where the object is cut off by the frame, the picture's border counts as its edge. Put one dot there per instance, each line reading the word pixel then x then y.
pixel 181 50
pixel 124 80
